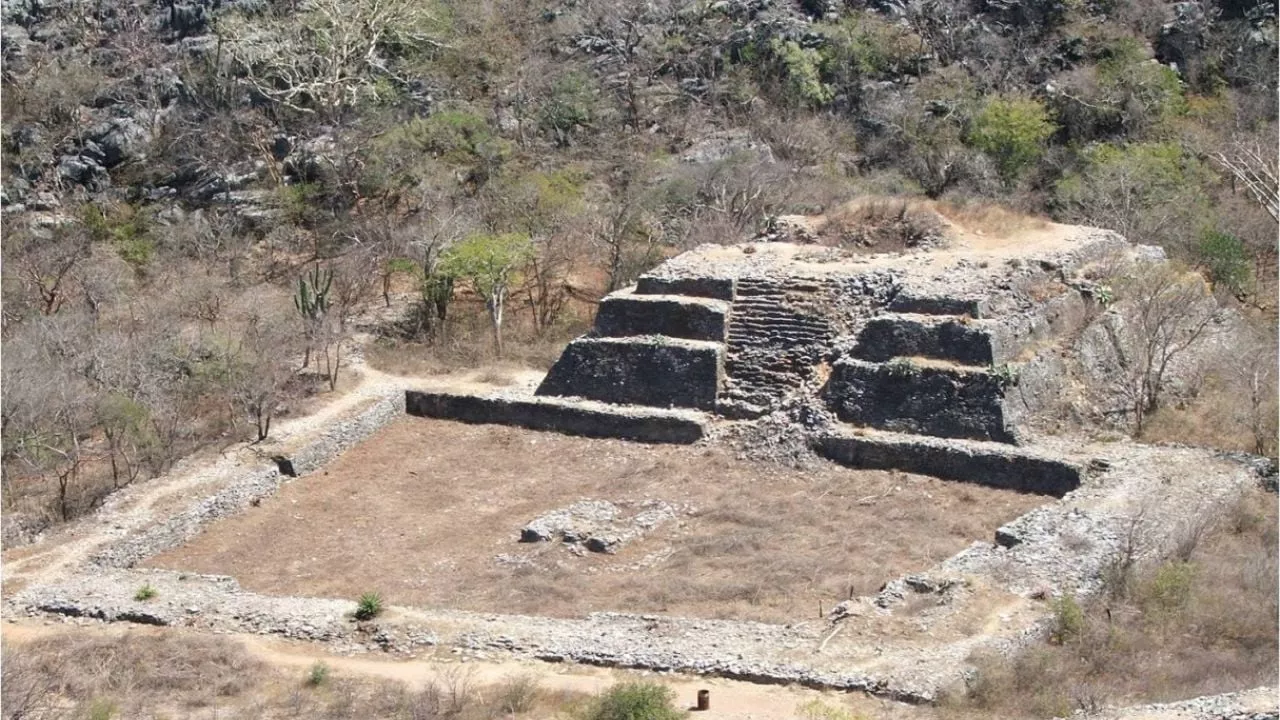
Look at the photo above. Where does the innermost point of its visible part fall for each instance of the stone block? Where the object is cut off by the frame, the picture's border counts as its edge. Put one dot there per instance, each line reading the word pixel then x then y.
pixel 926 399
pixel 626 314
pixel 653 371
pixel 708 287
pixel 966 461
pixel 888 336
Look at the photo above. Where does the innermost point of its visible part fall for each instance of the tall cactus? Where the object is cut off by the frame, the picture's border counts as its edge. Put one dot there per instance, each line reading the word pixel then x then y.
pixel 312 302
pixel 312 298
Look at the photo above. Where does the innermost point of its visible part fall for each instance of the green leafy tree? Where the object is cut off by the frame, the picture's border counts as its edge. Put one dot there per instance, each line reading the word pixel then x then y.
pixel 1013 132
pixel 801 67
pixel 490 263
pixel 1151 193
pixel 1226 260
pixel 1125 94
pixel 570 104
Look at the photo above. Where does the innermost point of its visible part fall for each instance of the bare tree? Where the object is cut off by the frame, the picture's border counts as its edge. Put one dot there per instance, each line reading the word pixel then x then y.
pixel 1254 166
pixel 1164 313
pixel 330 56
pixel 262 371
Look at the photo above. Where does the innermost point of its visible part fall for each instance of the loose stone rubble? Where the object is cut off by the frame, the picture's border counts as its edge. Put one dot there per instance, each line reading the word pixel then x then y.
pixel 597 525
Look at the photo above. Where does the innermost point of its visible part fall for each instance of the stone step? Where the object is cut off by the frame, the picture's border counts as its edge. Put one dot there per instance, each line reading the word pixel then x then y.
pixel 776 337
pixel 947 337
pixel 626 314
pixel 926 398
pixel 707 287
pixel 768 318
pixel 927 305
pixel 985 463
pixel 748 328
pixel 571 417
pixel 656 371
pixel 767 322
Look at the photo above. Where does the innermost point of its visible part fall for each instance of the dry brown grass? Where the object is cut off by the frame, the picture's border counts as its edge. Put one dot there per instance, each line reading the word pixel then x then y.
pixel 145 674
pixel 919 216
pixel 1219 417
pixel 421 511
pixel 989 219
pixel 1181 630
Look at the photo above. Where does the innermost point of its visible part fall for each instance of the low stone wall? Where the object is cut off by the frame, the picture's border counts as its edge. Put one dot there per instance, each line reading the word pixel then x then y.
pixel 252 486
pixel 627 315
pixel 707 287
pixel 652 371
pixel 992 466
pixel 564 416
pixel 920 399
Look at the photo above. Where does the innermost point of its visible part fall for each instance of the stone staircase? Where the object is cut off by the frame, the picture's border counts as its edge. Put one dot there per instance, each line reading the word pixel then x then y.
pixel 776 336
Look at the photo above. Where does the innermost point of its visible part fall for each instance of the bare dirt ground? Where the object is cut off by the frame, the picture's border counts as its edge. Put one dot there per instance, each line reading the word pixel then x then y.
pixel 421 512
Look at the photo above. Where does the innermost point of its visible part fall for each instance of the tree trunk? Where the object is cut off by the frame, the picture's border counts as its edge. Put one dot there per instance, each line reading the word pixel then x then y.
pixel 495 314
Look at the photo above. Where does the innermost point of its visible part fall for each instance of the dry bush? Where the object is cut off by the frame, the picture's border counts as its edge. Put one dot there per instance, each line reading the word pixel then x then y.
pixel 875 224
pixel 1204 626
pixel 137 671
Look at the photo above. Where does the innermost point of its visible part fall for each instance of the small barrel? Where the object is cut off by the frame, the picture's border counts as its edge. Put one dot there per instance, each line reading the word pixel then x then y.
pixel 704 699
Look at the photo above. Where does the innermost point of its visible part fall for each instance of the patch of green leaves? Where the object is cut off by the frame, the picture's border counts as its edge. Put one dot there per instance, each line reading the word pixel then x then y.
pixel 368 607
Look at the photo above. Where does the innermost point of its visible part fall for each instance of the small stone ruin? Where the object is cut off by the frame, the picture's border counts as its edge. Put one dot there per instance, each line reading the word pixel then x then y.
pixel 938 358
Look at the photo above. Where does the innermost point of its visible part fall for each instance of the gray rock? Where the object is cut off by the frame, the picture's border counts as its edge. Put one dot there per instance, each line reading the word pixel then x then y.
pixel 81 171
pixel 120 139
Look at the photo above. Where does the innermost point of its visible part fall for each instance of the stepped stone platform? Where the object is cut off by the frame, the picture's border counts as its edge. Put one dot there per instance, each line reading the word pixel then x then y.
pixel 961 342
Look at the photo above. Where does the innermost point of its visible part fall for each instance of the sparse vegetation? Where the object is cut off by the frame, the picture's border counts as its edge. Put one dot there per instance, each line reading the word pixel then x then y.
pixel 101 675
pixel 367 138
pixel 146 592
pixel 1178 629
pixel 318 674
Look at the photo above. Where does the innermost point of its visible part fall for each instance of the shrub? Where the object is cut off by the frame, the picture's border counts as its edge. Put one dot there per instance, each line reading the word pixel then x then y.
pixel 102 709
pixel 801 68
pixel 1225 259
pixel 146 592
pixel 1013 133
pixel 815 709
pixel 635 701
pixel 1068 619
pixel 1170 589
pixel 517 695
pixel 369 606
pixel 318 674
